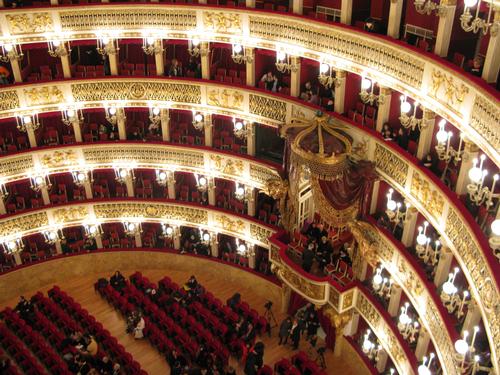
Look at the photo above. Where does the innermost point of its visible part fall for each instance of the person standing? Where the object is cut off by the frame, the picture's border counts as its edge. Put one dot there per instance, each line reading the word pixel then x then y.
pixel 308 257
pixel 284 332
pixel 295 334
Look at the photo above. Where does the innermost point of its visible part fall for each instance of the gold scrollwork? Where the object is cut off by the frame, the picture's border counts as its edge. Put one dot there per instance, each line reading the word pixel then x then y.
pixel 225 98
pixel 313 291
pixel 30 23
pixel 259 233
pixel 391 164
pixel 231 225
pixel 347 299
pixel 59 159
pixel 8 100
pixel 44 95
pixel 453 92
pixel 431 199
pixel 69 214
pixel 367 310
pixel 24 223
pixel 222 21
pixel 227 165
pixel 267 107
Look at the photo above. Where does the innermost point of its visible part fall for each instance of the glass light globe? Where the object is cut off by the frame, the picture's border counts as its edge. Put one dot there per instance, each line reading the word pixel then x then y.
pixel 70 113
pixel 206 237
pixel 281 56
pixel 442 135
pixel 242 248
pixel 195 42
pixel 8 47
pixel 123 173
pixel 405 107
pixel 27 119
pixel 80 177
pixel 367 345
pixel 421 239
pixel 56 43
pixel 238 125
pixel 202 181
pixel 105 40
pixel 404 319
pixel 323 68
pixel 92 229
pixel 11 245
pixel 495 227
pixel 461 346
pixel 52 235
pixel 475 174
pixel 391 205
pixel 150 40
pixel 377 279
pixel 198 117
pixel 112 111
pixel 169 231
pixel 38 180
pixel 470 3
pixel 162 176
pixel 237 48
pixel 366 84
pixel 240 191
pixel 449 288
pixel 131 227
pixel 423 370
pixel 156 111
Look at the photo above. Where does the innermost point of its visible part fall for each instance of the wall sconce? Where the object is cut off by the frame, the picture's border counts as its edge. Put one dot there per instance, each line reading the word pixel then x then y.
pixel 114 114
pixel 241 192
pixel 381 285
pixel 122 174
pixel 164 176
pixel 107 46
pixel 40 182
pixel 26 122
pixel 196 48
pixel 243 249
pixel 167 231
pixel 369 97
pixel 240 128
pixel 201 183
pixel 450 298
pixel 198 122
pixel 151 45
pixel 466 351
pixel 444 150
pixel 80 178
pixel 406 326
pixel 154 115
pixel 13 245
pixel 370 348
pixel 10 52
pixel 92 230
pixel 478 193
pixel 494 240
pixel 284 63
pixel 70 116
pixel 239 55
pixel 53 236
pixel 58 48
pixel 477 24
pixel 427 7
pixel 205 236
pixel 424 368
pixel 4 192
pixel 132 228
pixel 410 121
pixel 326 77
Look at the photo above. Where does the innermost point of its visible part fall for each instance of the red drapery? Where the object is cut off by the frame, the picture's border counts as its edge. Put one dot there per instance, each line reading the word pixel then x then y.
pixel 296 303
pixel 354 185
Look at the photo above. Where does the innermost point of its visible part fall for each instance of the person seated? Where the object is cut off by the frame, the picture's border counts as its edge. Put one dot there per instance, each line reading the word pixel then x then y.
pixel 477 66
pixel 270 81
pixel 118 281
pixel 88 346
pixel 139 328
pixel 307 92
pixel 387 132
pixel 175 69
pixel 403 139
pixel 104 365
pixel 234 300
pixel 132 321
pixel 329 105
pixel 192 283
pixel 25 309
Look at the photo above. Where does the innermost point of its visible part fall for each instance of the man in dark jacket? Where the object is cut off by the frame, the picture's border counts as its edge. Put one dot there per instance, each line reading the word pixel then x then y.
pixel 308 257
pixel 295 334
pixel 255 359
pixel 284 332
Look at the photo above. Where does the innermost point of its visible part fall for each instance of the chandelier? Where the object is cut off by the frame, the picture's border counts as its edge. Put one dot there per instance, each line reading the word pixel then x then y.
pixel 407 327
pixel 410 121
pixel 284 63
pixel 40 182
pixel 381 285
pixel 444 150
pixel 114 115
pixel 164 176
pixel 13 245
pixel 326 77
pixel 167 231
pixel 58 48
pixel 155 116
pixel 428 6
pixel 198 122
pixel 205 237
pixel 152 46
pixel 450 296
pixel 71 116
pixel 107 46
pixel 479 24
pixel 369 97
pixel 424 368
pixel 11 52
pixel 239 55
pixel 27 122
pixel 241 193
pixel 478 193
pixel 4 192
pixel 370 348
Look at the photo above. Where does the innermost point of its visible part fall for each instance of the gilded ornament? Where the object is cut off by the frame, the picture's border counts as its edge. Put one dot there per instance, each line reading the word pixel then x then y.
pixel 390 164
pixel 276 188
pixel 8 100
pixel 267 107
pixel 431 199
pixel 360 149
pixel 260 234
pixel 137 91
pixel 58 159
pixel 347 299
pixel 225 98
pixel 453 92
pixel 303 285
pixel 23 224
pixel 339 321
pixel 69 214
pixel 367 239
pixel 366 309
pixel 30 23
pixel 485 118
pixel 222 21
pixel 44 95
pixel 227 165
pixel 235 226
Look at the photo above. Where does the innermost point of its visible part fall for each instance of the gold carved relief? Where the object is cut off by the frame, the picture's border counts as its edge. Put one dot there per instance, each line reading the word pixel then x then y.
pixel 347 299
pixel 30 23
pixel 367 310
pixel 69 214
pixel 231 225
pixel 391 164
pixel 485 119
pixel 222 21
pixel 267 107
pixel 431 199
pixel 367 239
pixel 23 224
pixel 225 98
pixel 227 165
pixel 313 291
pixel 59 159
pixel 44 95
pixel 8 100
pixel 259 233
pixel 443 84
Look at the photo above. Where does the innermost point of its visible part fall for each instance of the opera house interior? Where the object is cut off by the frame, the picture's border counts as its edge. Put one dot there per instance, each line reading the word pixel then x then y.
pixel 256 187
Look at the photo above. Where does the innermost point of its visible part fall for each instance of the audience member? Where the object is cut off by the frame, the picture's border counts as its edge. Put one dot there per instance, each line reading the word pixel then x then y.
pixel 308 257
pixel 255 359
pixel 295 334
pixel 477 66
pixel 175 69
pixel 387 132
pixel 139 328
pixel 118 282
pixel 26 309
pixel 270 81
pixel 284 330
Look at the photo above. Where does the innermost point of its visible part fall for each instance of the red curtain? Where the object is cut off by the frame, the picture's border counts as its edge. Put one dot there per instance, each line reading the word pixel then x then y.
pixel 296 302
pixel 329 329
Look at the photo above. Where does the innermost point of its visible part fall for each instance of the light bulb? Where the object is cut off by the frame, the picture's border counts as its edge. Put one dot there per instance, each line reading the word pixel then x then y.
pixel 156 111
pixel 123 173
pixel 8 47
pixel 366 83
pixel 52 235
pixel 405 107
pixel 112 111
pixel 242 248
pixel 470 3
pixel 421 239
pixel 105 40
pixel 461 346
pixel 150 40
pixel 449 288
pixel 56 43
pixel 80 176
pixel 391 205
pixel 237 48
pixel 70 113
pixel 495 227
pixel 240 190
pixel 206 237
pixel 38 180
pixel 92 229
pixel 169 231
pixel 195 42
pixel 377 279
pixel 202 181
pixel 198 117
pixel 442 135
pixel 131 227
pixel 238 125
pixel 281 56
pixel 404 318
pixel 27 119
pixel 162 175
pixel 323 68
pixel 11 245
pixel 423 370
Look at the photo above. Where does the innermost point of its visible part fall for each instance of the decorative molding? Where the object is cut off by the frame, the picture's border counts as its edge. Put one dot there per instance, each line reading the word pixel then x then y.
pixel 225 98
pixel 24 223
pixel 26 23
pixel 268 107
pixel 430 198
pixel 391 164
pixel 222 21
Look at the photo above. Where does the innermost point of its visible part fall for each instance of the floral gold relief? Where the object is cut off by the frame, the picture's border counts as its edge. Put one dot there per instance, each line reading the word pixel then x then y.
pixel 24 224
pixel 69 214
pixel 445 86
pixel 430 198
pixel 227 165
pixel 44 95
pixel 231 225
pixel 313 291
pixel 225 98
pixel 59 159
pixel 30 23
pixel 222 21
pixel 391 164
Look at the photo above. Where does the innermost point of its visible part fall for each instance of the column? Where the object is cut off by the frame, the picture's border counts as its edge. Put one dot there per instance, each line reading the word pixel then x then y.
pixel 165 124
pixel 88 189
pixel 472 318
pixel 374 198
pixel 17 258
pixel 295 76
pixel 58 247
pixel 250 65
pixel 177 238
pixel 2 4
pixel 171 187
pixel 113 63
pixel 382 360
pixel 31 135
pixel 159 62
pixel 346 12
pixel 443 266
pixel 395 12
pixel 443 36
pixel 129 183
pixel 409 224
pixel 16 69
pixel 471 151
pixel 98 241
pixel 120 122
pixel 251 205
pixel 251 256
pixel 3 210
pixel 250 3
pixel 422 343
pixel 214 245
pixel 138 240
pixel 492 61
pixel 352 327
pixel 339 325
pixel 65 62
pixel 363 271
pixel 339 100
pixel 207 129
pixel 384 108
pixel 251 139
pixel 426 133
pixel 211 191
pixel 45 195
pixel 394 300
pixel 77 129
pixel 285 297
pixel 297 6
pixel 205 60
